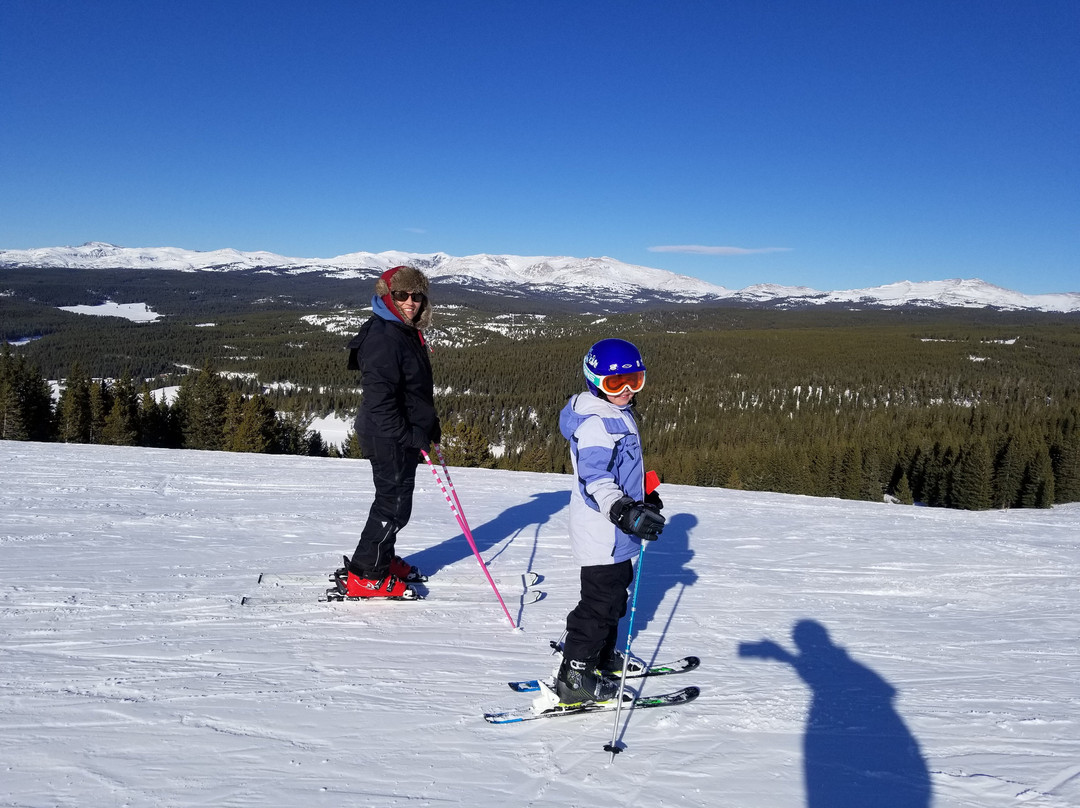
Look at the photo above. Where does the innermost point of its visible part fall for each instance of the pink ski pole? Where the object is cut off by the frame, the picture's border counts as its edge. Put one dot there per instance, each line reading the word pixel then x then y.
pixel 449 482
pixel 456 510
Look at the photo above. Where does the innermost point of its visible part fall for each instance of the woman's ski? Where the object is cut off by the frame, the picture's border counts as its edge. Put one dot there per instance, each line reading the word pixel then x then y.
pixel 290 587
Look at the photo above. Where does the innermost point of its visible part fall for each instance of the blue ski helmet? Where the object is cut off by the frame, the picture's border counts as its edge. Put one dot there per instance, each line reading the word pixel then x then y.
pixel 611 357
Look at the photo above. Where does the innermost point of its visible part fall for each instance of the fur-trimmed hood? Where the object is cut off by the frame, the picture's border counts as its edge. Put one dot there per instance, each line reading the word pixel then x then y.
pixel 405 279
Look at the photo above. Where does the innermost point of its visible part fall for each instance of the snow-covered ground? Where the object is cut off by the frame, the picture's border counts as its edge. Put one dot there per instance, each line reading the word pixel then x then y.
pixel 130 673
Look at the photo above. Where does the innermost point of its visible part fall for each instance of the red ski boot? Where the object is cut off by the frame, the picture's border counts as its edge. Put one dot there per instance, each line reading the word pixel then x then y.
pixel 388 587
pixel 399 568
pixel 403 570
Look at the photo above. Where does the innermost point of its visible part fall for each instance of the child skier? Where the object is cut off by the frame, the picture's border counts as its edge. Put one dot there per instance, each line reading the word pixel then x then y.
pixel 610 514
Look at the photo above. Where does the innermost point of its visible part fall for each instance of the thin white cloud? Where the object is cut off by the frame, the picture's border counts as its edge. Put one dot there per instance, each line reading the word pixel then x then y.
pixel 700 249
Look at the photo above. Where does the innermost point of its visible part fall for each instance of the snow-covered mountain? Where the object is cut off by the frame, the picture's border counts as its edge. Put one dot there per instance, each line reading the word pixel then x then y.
pixel 560 277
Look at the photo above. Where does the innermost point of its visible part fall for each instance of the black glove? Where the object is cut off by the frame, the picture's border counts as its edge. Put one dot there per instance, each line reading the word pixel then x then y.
pixel 637 518
pixel 416 438
pixel 652 498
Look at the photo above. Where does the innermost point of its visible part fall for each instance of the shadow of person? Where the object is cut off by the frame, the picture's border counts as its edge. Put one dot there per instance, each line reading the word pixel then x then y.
pixel 537 511
pixel 857 750
pixel 664 566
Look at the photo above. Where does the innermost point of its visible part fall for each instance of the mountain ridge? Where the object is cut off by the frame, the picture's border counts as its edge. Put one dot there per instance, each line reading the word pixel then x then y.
pixel 565 277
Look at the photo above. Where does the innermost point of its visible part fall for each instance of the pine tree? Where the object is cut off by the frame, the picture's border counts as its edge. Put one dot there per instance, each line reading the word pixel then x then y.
pixel 1037 489
pixel 258 428
pixel 154 426
pixel 25 400
pixel 234 406
pixel 849 476
pixel 1009 472
pixel 74 409
pixel 201 403
pixel 972 489
pixel 12 426
pixel 465 445
pixel 100 404
pixel 938 476
pixel 871 489
pixel 916 474
pixel 534 457
pixel 291 433
pixel 119 429
pixel 903 491
pixel 1066 462
pixel 317 447
pixel 121 424
pixel 351 449
pixel 819 478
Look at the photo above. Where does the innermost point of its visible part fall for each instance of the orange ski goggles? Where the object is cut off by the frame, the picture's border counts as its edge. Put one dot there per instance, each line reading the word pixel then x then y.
pixel 619 382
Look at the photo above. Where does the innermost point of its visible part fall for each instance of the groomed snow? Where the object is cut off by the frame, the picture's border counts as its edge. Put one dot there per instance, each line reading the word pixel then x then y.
pixel 132 675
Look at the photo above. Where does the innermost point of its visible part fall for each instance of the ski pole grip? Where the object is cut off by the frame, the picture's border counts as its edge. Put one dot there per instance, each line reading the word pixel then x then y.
pixel 652 481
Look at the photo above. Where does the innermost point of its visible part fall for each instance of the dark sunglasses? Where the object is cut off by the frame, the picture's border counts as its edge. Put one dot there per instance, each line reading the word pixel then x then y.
pixel 401 297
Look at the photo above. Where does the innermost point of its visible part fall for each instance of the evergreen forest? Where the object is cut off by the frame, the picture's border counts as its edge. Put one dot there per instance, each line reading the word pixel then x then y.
pixel 967 409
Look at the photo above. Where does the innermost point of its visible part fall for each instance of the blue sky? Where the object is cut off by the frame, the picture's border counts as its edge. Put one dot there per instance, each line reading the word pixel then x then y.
pixel 827 144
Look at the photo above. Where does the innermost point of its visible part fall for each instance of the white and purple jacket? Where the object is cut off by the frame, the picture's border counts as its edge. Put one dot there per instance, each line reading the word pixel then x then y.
pixel 605 449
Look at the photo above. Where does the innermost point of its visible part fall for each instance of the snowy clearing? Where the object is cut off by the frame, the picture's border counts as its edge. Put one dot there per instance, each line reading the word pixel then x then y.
pixel 136 312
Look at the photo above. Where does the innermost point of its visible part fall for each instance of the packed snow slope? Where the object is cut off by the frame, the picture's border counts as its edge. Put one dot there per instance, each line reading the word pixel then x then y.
pixel 937 660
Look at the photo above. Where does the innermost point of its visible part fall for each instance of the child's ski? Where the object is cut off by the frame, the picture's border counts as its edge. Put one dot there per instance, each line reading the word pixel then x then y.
pixel 684 696
pixel 678 666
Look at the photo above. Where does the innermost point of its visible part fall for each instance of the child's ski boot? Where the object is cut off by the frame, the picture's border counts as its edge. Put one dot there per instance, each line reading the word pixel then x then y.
pixel 613 668
pixel 578 682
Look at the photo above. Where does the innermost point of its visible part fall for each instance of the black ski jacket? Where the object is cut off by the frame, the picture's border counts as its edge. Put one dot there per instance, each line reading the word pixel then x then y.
pixel 398 388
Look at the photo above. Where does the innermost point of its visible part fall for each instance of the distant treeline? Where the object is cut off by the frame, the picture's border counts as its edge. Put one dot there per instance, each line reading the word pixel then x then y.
pixel 958 409
pixel 205 415
pixel 961 415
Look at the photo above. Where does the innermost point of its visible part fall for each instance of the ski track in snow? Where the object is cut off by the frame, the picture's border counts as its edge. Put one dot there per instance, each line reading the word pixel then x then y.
pixel 131 675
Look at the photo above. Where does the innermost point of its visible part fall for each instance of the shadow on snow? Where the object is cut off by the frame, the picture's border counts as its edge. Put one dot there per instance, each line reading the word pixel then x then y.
pixel 663 566
pixel 857 750
pixel 507 525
